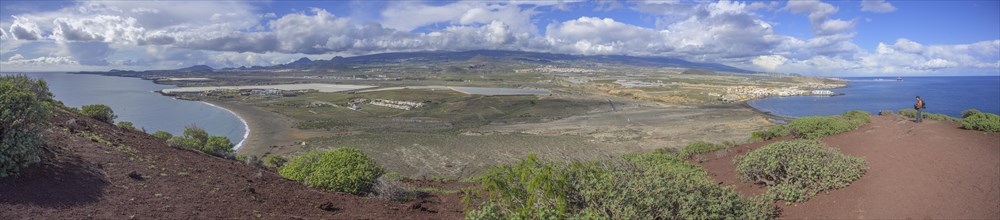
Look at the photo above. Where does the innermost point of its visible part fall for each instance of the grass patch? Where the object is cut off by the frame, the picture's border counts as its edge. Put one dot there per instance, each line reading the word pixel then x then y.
pixel 634 186
pixel 795 171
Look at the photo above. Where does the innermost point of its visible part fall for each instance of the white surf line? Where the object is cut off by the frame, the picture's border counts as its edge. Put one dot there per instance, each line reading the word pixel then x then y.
pixel 246 128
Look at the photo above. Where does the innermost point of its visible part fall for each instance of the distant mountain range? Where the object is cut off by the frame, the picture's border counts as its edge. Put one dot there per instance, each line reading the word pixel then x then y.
pixel 465 57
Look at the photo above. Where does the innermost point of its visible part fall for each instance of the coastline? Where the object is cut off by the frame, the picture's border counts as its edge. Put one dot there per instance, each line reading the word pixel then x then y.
pixel 766 114
pixel 266 131
pixel 246 127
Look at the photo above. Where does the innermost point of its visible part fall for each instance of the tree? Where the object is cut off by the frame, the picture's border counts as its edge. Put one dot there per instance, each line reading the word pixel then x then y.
pixel 199 134
pixel 126 125
pixel 26 110
pixel 218 146
pixel 99 112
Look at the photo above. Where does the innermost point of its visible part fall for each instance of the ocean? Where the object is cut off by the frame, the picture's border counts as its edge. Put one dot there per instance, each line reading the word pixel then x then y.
pixel 945 95
pixel 136 100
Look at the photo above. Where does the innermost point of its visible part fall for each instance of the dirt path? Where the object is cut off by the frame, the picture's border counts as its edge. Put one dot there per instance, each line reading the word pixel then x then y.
pixel 928 170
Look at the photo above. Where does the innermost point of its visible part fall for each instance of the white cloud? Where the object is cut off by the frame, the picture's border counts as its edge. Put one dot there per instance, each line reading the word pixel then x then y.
pixel 877 6
pixel 40 61
pixel 23 29
pixel 15 57
pixel 769 62
pixel 169 35
pixel 410 15
pixel 102 28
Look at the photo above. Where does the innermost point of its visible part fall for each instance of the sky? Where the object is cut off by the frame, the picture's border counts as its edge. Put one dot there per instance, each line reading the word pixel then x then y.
pixel 810 37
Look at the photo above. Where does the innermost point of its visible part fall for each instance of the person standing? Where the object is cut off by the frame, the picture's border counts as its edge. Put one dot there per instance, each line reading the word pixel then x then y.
pixel 919 107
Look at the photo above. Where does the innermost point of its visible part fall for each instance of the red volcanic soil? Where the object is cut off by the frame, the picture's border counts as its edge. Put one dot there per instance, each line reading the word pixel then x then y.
pixel 929 170
pixel 141 177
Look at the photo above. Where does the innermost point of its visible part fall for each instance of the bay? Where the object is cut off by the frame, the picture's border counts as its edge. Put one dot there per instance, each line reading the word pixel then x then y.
pixel 136 100
pixel 945 95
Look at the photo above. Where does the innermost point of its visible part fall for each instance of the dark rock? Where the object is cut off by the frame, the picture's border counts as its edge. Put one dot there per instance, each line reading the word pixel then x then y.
pixel 328 206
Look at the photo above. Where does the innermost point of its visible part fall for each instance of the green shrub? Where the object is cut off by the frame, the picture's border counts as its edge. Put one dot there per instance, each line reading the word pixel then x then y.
pixel 26 111
pixel 857 117
pixel 197 139
pixel 912 113
pixel 795 171
pixel 99 112
pixel 300 166
pixel 969 112
pixel 343 169
pixel 886 112
pixel 698 147
pixel 198 133
pixel 126 125
pixel 184 142
pixel 771 133
pixel 163 135
pixel 274 161
pixel 634 186
pixel 981 121
pixel 218 146
pixel 813 127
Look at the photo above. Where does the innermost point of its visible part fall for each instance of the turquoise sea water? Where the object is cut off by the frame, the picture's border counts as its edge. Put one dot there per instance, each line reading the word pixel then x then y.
pixel 946 95
pixel 135 100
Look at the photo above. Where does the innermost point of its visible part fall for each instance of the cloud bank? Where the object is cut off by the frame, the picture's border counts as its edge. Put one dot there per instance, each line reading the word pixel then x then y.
pixel 150 35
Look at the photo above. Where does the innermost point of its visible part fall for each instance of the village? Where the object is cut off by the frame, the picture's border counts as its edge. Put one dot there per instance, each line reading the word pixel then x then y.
pixel 744 93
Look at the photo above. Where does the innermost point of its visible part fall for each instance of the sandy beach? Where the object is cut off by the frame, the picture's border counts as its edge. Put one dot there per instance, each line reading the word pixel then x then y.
pixel 267 129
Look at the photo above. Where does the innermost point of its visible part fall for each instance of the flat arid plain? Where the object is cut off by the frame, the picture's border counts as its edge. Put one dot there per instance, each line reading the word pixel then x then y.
pixel 482 111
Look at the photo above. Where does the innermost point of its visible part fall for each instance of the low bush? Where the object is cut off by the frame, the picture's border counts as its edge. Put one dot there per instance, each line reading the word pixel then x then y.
pixel 162 135
pixel 795 171
pixel 912 113
pixel 25 111
pixel 813 127
pixel 125 125
pixel 218 146
pixel 99 112
pixel 698 147
pixel 975 120
pixel 635 186
pixel 273 161
pixel 771 133
pixel 197 139
pixel 343 169
pixel 183 142
pixel 886 112
pixel 969 112
pixel 391 189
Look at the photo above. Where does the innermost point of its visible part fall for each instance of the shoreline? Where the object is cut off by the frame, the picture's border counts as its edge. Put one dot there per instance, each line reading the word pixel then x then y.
pixel 266 131
pixel 246 127
pixel 766 114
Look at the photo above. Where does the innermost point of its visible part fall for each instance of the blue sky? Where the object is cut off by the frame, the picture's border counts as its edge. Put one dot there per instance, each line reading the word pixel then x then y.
pixel 839 38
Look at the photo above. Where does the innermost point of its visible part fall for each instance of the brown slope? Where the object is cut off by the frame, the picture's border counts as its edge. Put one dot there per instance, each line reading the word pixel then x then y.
pixel 928 170
pixel 88 179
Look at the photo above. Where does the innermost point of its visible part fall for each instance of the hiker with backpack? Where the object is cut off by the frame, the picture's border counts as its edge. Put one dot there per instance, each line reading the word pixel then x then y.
pixel 919 107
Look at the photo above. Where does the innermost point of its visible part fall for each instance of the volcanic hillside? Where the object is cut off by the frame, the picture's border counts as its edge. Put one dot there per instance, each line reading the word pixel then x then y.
pixel 101 171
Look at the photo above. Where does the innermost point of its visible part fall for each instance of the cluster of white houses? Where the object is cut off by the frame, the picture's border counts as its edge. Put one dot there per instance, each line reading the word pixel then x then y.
pixel 743 93
pixel 403 105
